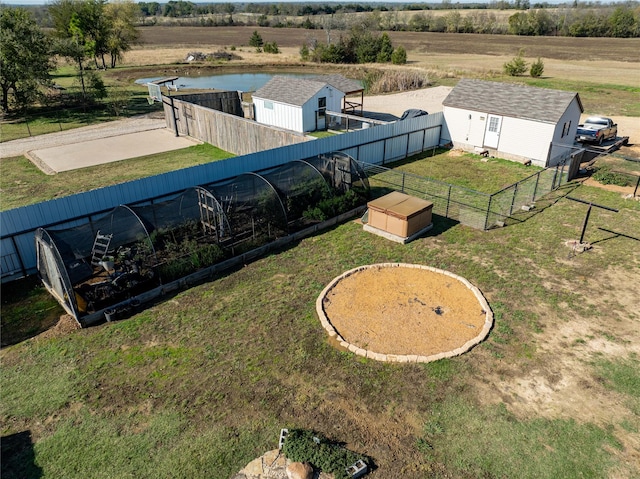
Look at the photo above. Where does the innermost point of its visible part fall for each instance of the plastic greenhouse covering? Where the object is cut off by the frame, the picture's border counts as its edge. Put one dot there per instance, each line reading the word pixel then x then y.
pixel 115 261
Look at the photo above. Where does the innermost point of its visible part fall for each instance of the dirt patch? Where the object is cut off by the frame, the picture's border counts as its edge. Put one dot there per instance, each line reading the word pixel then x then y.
pixel 565 385
pixel 404 310
pixel 626 191
pixel 65 325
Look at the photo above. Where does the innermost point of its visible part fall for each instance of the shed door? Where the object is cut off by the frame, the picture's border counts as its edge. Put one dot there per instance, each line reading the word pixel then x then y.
pixel 492 133
pixel 321 114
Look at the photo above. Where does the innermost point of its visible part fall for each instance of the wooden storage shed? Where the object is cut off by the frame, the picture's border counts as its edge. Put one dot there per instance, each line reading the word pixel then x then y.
pixel 399 217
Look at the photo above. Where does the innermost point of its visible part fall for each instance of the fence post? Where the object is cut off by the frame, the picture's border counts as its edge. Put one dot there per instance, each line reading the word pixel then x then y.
pixel 406 153
pixel 513 198
pixel 555 175
pixel 384 150
pixel 446 212
pixel 486 218
pixel 535 188
pixel 561 173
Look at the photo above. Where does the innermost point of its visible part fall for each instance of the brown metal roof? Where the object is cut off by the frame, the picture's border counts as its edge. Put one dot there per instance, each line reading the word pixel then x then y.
pixel 508 99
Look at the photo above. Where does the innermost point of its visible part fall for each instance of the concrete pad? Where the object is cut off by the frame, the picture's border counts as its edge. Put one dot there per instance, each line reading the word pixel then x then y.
pixel 107 150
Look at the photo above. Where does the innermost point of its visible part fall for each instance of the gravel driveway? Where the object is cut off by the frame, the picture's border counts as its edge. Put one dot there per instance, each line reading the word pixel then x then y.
pixel 77 135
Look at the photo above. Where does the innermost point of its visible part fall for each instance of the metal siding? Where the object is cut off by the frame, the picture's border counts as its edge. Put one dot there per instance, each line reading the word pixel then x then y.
pixel 415 142
pixel 352 152
pixel 372 153
pixel 396 148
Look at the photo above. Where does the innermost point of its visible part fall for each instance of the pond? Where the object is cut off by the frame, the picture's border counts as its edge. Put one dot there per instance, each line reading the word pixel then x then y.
pixel 227 81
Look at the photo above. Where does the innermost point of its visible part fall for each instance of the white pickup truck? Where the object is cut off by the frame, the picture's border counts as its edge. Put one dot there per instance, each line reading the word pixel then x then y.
pixel 597 129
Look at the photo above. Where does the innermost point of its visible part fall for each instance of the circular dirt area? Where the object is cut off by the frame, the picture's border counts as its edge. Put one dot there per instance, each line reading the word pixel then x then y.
pixel 404 312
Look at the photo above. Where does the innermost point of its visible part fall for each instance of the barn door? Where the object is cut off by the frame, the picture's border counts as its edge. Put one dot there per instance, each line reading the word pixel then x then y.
pixel 492 132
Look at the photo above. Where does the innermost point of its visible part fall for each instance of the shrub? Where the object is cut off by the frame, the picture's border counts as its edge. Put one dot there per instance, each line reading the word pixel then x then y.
pixel 605 176
pixel 517 66
pixel 271 47
pixel 399 56
pixel 306 446
pixel 222 56
pixel 537 68
pixel 304 52
pixel 333 206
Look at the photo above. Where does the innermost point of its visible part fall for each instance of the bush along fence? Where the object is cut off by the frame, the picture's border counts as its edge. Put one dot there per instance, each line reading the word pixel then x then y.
pixel 470 207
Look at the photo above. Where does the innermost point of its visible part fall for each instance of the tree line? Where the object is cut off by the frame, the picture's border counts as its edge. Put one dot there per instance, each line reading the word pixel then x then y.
pixel 577 19
pixel 574 18
pixel 83 31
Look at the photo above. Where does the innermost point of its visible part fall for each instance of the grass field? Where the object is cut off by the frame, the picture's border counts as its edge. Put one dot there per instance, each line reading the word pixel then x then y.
pixel 199 384
pixel 22 183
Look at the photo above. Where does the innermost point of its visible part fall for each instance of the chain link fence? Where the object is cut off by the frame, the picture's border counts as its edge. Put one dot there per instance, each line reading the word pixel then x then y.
pixel 470 207
pixel 61 118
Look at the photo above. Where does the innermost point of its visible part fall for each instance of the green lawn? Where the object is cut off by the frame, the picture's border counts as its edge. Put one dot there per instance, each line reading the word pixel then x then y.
pixel 199 384
pixel 22 183
pixel 487 175
pixel 59 115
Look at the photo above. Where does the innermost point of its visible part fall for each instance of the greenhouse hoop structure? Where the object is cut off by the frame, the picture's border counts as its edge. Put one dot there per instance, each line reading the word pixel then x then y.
pixel 106 268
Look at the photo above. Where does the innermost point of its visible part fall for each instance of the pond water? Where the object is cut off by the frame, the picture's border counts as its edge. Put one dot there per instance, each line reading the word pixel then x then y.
pixel 227 81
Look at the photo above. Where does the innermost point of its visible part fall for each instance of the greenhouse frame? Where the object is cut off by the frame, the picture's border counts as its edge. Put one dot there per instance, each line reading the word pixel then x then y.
pixel 107 268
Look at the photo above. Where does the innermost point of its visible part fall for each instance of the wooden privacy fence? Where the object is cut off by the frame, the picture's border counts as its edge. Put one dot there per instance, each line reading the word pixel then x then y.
pixel 227 129
pixel 378 145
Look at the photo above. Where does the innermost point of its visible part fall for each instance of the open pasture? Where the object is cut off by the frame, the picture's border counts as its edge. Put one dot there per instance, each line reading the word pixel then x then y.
pixel 199 384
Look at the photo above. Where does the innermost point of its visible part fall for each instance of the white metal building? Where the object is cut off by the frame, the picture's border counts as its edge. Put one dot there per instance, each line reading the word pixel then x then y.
pixel 296 104
pixel 512 121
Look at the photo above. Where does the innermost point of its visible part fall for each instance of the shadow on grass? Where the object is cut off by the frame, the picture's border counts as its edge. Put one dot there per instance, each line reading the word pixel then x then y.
pixel 542 204
pixel 27 310
pixel 18 458
pixel 615 234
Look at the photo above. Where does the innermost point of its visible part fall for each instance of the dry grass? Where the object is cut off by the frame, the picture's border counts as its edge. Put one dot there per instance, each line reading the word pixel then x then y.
pixel 597 60
pixel 398 80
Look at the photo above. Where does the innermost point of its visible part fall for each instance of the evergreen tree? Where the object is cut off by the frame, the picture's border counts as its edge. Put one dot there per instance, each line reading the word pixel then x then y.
pixel 399 56
pixel 517 66
pixel 386 49
pixel 256 40
pixel 537 68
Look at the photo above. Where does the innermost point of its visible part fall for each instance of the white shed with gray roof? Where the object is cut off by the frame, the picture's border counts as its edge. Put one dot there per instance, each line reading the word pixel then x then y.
pixel 512 121
pixel 297 104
